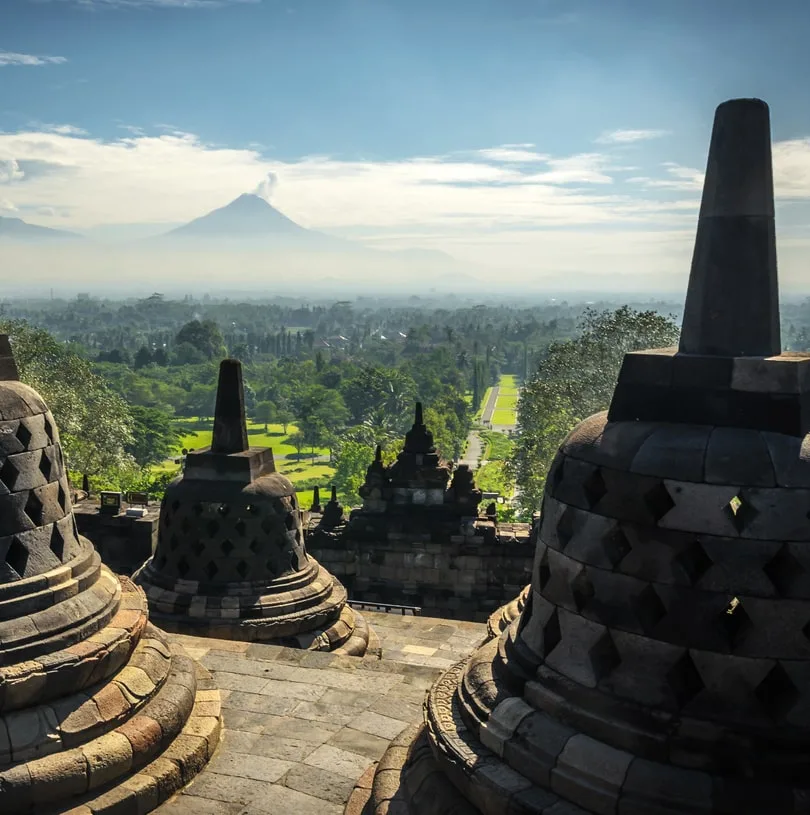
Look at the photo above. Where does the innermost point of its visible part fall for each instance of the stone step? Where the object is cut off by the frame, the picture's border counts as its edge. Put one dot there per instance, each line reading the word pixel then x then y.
pixel 132 768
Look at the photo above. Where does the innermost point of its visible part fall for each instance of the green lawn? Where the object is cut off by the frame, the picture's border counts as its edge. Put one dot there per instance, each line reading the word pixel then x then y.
pixel 508 385
pixel 506 402
pixel 196 434
pixel 498 445
pixel 505 412
pixel 492 477
pixel 505 417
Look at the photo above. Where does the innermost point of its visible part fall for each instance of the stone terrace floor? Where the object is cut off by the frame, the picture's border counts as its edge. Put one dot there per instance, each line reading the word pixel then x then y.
pixel 301 727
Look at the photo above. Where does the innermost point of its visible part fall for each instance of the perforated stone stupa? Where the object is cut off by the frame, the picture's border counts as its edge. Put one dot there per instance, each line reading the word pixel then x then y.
pixel 231 560
pixel 661 663
pixel 97 711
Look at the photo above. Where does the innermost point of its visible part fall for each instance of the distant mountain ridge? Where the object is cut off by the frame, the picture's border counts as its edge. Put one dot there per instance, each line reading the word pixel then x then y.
pixel 255 222
pixel 247 214
pixel 251 222
pixel 18 230
pixel 253 219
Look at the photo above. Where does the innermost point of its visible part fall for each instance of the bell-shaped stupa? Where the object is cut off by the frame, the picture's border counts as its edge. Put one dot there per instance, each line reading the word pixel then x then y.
pixel 231 560
pixel 661 663
pixel 98 712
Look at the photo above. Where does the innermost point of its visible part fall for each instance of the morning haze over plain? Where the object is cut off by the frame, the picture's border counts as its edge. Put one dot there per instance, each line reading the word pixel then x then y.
pixel 547 146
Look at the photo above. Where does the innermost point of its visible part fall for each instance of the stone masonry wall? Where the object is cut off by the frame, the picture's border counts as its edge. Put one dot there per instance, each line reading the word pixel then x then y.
pixel 124 543
pixel 464 578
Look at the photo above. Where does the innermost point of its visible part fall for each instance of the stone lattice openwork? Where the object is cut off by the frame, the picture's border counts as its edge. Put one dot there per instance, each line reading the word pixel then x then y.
pixel 97 711
pixel 231 560
pixel 661 663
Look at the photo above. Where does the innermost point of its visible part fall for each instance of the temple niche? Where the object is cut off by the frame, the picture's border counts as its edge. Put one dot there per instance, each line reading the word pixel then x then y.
pixel 231 559
pixel 98 711
pixel 419 538
pixel 660 663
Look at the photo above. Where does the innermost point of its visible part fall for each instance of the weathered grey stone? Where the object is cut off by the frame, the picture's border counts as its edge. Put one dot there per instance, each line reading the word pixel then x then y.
pixel 590 774
pixel 732 306
pixel 737 456
pixel 660 661
pixel 674 452
pixel 653 788
pixel 67 625
pixel 231 558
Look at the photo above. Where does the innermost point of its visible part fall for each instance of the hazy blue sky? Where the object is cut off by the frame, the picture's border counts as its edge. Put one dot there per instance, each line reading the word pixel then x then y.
pixel 535 134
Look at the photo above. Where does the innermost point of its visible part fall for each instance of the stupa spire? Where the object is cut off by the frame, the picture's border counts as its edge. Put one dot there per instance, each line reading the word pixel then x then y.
pixel 732 302
pixel 8 365
pixel 230 428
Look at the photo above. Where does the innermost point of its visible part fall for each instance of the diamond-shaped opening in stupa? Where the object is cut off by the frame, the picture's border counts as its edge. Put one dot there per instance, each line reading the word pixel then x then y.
pixel 8 474
pixel 658 501
pixel 33 508
pixel 23 435
pixel 17 557
pixel 552 635
pixel 45 465
pixel 594 488
pixel 57 544
pixel 736 622
pixel 740 511
pixel 777 693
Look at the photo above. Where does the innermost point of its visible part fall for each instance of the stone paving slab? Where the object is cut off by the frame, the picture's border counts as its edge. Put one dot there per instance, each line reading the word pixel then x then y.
pixel 300 728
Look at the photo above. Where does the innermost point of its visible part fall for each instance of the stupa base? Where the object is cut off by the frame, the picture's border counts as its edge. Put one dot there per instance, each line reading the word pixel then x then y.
pixel 484 750
pixel 500 619
pixel 121 743
pixel 313 615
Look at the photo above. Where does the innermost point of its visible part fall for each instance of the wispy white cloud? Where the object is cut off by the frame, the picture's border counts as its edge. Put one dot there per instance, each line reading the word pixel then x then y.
pixel 628 136
pixel 555 212
pixel 517 153
pixel 791 170
pixel 172 177
pixel 61 129
pixel 677 178
pixel 10 171
pixel 69 130
pixel 12 58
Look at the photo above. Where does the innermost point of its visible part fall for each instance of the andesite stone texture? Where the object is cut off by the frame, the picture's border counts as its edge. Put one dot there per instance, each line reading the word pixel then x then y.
pixel 661 662
pixel 231 560
pixel 419 539
pixel 98 713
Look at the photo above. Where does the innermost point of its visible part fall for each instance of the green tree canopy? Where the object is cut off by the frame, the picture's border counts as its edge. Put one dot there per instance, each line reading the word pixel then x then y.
pixel 204 335
pixel 95 424
pixel 154 435
pixel 574 380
